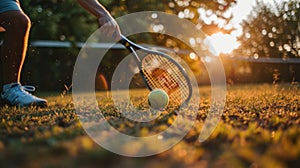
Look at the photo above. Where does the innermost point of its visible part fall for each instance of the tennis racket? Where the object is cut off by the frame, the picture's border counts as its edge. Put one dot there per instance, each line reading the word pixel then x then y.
pixel 160 71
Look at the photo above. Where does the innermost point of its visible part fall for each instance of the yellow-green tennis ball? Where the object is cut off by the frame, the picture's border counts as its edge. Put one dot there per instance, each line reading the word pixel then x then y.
pixel 158 99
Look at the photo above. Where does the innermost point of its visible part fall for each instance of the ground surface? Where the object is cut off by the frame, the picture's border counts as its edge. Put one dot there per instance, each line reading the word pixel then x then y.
pixel 260 127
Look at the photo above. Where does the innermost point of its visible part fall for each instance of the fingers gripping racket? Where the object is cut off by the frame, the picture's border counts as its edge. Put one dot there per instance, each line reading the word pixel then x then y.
pixel 160 71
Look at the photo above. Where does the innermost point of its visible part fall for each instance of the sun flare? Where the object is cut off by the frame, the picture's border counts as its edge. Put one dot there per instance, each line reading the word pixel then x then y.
pixel 223 43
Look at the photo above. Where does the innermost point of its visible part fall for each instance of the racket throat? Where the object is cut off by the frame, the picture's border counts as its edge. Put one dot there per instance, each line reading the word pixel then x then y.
pixel 145 80
pixel 136 57
pixel 138 63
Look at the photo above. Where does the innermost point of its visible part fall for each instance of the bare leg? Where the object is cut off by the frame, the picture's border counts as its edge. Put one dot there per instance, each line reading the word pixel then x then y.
pixel 13 51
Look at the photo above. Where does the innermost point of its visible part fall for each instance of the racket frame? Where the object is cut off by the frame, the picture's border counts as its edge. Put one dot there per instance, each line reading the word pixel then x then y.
pixel 131 46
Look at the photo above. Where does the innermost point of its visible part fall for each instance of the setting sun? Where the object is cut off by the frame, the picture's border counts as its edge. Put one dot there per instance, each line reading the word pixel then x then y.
pixel 222 43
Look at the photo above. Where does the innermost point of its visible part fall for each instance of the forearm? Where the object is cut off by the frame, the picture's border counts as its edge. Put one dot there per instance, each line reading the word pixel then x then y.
pixel 94 7
pixel 107 23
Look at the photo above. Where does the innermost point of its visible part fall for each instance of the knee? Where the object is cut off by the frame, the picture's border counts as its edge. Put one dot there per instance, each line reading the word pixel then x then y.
pixel 15 21
pixel 23 22
pixel 18 21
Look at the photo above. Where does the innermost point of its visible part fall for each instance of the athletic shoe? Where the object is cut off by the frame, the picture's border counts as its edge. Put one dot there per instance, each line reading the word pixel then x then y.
pixel 15 94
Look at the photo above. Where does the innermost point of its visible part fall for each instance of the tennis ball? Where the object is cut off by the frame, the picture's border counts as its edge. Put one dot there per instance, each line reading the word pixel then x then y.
pixel 158 99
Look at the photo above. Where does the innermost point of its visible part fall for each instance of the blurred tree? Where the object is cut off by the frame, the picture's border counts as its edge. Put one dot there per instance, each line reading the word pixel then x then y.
pixel 272 31
pixel 195 10
pixel 66 20
pixel 59 20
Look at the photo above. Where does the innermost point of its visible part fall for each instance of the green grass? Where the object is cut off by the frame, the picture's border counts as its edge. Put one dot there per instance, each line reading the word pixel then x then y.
pixel 260 127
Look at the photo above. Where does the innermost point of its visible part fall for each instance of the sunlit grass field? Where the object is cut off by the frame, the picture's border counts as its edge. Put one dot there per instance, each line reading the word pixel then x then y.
pixel 260 127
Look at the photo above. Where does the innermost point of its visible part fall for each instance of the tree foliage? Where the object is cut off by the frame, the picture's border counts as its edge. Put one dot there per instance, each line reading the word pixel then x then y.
pixel 272 31
pixel 188 9
pixel 66 20
pixel 59 20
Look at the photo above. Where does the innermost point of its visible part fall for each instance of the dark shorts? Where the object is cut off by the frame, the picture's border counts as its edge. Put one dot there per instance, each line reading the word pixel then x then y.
pixel 9 5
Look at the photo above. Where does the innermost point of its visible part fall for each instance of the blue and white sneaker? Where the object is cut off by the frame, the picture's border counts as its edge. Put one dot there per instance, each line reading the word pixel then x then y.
pixel 15 94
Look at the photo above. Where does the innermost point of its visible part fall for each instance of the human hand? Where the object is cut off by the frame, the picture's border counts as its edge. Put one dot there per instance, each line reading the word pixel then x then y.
pixel 109 27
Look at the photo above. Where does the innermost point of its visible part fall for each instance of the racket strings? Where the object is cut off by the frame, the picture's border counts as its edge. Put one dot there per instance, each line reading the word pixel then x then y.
pixel 160 72
pixel 176 77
